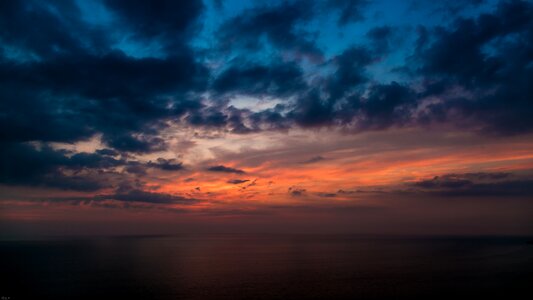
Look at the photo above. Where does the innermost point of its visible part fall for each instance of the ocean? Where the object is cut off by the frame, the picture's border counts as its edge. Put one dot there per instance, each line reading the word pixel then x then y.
pixel 266 266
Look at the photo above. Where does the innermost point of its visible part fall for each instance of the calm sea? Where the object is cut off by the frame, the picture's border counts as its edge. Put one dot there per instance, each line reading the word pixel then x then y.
pixel 266 267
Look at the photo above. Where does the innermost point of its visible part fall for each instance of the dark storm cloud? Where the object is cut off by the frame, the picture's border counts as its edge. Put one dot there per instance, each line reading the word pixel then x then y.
pixel 118 95
pixel 278 24
pixel 64 82
pixel 283 25
pixel 224 169
pixel 272 80
pixel 33 28
pixel 381 107
pixel 346 97
pixel 140 168
pixel 473 65
pixel 136 168
pixel 23 164
pixel 93 160
pixel 114 94
pixel 311 110
pixel 351 72
pixel 493 64
pixel 107 152
pixel 129 143
pixel 209 117
pixel 386 105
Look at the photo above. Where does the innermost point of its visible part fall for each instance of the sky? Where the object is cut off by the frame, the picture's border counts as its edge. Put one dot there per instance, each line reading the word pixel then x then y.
pixel 328 116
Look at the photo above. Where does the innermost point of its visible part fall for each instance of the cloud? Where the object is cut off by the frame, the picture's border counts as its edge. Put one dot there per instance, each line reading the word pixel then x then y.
pixel 140 94
pixel 169 22
pixel 237 181
pixel 24 164
pixel 492 72
pixel 224 169
pixel 122 97
pixel 59 33
pixel 381 38
pixel 121 195
pixel 166 164
pixel 476 185
pixel 277 24
pixel 136 195
pixel 459 180
pixel 43 166
pixel 326 195
pixel 348 10
pixel 493 66
pixel 385 106
pixel 380 107
pixel 107 152
pixel 296 192
pixel 313 159
pixel 273 80
pixel 148 68
pixel 350 71
pixel 92 161
pixel 129 100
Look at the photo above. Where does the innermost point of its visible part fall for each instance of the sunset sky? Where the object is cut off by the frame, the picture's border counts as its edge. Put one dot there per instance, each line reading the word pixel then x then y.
pixel 332 116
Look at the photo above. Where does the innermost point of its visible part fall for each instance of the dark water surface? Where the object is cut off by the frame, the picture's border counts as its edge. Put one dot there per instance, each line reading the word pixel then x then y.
pixel 266 267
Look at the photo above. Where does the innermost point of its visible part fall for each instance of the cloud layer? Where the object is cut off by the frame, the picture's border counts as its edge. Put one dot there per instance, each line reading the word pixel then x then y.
pixel 167 102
